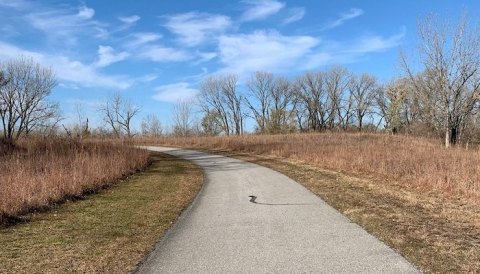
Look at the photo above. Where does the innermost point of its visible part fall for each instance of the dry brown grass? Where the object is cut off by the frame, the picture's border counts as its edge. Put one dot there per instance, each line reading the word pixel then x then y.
pixel 110 231
pixel 40 172
pixel 414 162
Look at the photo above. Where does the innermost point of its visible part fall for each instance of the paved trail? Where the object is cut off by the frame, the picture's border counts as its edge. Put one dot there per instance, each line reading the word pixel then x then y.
pixel 251 219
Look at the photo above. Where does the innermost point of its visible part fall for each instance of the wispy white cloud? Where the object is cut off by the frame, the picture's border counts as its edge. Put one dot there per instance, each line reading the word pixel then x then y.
pixel 193 28
pixel 205 57
pixel 64 24
pixel 142 38
pixel 174 93
pixel 107 56
pixel 261 9
pixel 163 54
pixel 263 50
pixel 129 19
pixel 9 51
pixel 17 4
pixel 295 14
pixel 66 69
pixel 196 77
pixel 343 17
pixel 375 43
pixel 351 51
pixel 69 86
pixel 85 12
pixel 142 45
pixel 86 75
pixel 243 54
pixel 147 78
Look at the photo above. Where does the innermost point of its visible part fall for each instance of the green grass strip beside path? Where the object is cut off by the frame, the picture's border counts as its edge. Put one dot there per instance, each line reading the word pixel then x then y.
pixel 110 231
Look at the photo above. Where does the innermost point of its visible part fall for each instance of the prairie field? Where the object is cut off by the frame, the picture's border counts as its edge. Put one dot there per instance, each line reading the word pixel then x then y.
pixel 415 162
pixel 39 172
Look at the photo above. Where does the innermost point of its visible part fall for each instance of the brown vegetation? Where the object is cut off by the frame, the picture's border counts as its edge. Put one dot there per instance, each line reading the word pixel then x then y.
pixel 414 162
pixel 107 232
pixel 38 172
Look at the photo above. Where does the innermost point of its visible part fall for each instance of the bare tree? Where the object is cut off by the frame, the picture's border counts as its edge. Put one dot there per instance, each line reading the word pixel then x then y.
pixel 272 103
pixel 23 97
pixel 311 93
pixel 80 128
pixel 110 114
pixel 151 126
pixel 362 89
pixel 260 89
pixel 44 119
pixel 118 114
pixel 283 104
pixel 233 101
pixel 347 111
pixel 3 79
pixel 219 94
pixel 336 85
pixel 212 101
pixel 449 84
pixel 182 118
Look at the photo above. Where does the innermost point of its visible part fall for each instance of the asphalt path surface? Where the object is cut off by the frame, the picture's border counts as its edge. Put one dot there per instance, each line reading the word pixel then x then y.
pixel 251 219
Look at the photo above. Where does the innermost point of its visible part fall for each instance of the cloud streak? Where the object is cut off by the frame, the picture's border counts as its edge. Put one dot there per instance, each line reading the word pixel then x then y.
pixel 163 54
pixel 108 56
pixel 296 14
pixel 261 9
pixel 174 93
pixel 16 4
pixel 271 51
pixel 376 43
pixel 263 50
pixel 85 12
pixel 129 19
pixel 67 69
pixel 141 39
pixel 344 17
pixel 63 25
pixel 194 28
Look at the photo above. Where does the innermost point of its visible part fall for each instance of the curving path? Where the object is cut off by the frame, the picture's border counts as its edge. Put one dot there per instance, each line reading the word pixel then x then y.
pixel 251 219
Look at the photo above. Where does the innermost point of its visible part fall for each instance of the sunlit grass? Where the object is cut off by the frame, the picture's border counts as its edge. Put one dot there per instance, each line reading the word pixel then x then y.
pixel 40 172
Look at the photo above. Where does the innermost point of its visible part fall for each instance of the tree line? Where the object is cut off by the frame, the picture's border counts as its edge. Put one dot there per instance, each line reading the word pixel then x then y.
pixel 437 94
pixel 316 101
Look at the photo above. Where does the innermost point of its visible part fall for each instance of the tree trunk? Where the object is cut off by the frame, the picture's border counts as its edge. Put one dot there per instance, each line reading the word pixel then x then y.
pixel 447 138
pixel 453 136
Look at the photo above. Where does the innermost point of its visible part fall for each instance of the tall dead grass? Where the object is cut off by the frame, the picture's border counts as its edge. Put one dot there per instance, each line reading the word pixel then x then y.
pixel 39 172
pixel 414 161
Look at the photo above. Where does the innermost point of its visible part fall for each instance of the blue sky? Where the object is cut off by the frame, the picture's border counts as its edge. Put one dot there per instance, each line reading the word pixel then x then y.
pixel 156 52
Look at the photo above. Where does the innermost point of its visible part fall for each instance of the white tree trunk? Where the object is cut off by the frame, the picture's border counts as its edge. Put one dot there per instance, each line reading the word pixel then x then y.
pixel 447 138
